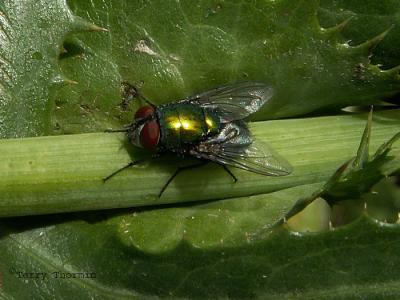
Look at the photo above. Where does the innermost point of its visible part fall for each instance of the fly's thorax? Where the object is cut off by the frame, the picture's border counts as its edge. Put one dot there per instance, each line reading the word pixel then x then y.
pixel 184 124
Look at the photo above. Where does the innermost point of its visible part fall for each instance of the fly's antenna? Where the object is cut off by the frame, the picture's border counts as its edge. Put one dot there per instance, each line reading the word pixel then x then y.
pixel 141 97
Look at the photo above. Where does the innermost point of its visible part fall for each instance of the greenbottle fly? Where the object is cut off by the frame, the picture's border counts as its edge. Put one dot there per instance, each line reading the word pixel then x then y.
pixel 209 127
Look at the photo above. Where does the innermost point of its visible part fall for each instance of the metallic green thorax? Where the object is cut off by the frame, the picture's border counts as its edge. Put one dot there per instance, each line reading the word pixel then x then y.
pixel 184 124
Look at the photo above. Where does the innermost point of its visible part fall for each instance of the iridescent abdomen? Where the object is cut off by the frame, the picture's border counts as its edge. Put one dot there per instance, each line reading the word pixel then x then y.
pixel 184 124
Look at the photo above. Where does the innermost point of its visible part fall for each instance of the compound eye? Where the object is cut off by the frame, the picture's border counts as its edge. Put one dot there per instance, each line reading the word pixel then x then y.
pixel 150 135
pixel 144 111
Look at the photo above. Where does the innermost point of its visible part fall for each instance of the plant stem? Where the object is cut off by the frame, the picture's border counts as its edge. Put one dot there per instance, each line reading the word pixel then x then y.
pixel 64 173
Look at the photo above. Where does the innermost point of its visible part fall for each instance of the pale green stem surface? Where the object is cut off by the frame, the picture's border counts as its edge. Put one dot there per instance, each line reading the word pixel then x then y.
pixel 64 173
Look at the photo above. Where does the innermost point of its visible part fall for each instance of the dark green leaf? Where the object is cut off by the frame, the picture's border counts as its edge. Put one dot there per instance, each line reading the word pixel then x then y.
pixel 339 264
pixel 180 49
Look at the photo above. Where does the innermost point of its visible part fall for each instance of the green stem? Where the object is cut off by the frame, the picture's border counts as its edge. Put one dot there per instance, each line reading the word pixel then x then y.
pixel 64 173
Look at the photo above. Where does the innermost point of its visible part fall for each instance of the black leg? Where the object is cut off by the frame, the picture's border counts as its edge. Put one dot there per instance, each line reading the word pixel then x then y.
pixel 230 173
pixel 141 97
pixel 132 163
pixel 180 169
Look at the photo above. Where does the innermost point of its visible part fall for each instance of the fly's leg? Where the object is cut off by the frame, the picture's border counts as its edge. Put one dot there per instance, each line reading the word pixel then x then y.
pixel 180 169
pixel 124 129
pixel 129 92
pixel 132 163
pixel 116 130
pixel 132 126
pixel 230 173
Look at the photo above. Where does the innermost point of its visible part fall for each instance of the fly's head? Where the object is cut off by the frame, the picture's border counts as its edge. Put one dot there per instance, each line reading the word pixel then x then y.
pixel 145 130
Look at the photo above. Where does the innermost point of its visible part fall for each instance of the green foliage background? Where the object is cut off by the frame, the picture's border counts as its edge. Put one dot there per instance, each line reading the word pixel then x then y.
pixel 60 73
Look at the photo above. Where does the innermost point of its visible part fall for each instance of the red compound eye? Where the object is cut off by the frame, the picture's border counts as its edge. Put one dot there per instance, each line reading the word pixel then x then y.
pixel 144 111
pixel 149 135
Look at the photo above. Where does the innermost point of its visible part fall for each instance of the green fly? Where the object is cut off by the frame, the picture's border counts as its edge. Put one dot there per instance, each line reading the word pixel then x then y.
pixel 209 127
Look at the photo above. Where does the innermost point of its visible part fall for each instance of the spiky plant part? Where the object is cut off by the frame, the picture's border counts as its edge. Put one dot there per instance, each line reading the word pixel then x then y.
pixel 29 67
pixel 357 176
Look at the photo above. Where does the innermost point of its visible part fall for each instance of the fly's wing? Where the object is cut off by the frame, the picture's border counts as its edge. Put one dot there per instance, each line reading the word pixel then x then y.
pixel 233 146
pixel 235 101
pixel 258 158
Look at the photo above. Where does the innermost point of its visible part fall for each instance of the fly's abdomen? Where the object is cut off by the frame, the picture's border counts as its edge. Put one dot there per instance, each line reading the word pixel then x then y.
pixel 185 124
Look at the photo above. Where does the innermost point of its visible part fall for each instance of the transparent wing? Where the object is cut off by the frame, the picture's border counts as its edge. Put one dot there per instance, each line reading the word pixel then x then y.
pixel 235 101
pixel 234 147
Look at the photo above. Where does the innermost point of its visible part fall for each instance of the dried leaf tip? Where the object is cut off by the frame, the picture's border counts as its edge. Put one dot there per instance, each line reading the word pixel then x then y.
pixel 80 24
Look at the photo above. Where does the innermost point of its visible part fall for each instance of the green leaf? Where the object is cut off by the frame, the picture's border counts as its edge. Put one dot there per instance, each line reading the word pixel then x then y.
pixel 31 33
pixel 180 49
pixel 55 80
pixel 338 264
